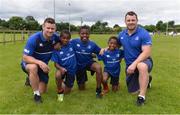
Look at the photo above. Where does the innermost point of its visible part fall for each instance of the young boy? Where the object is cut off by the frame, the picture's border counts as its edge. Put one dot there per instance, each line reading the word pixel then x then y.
pixel 111 59
pixel 84 48
pixel 65 63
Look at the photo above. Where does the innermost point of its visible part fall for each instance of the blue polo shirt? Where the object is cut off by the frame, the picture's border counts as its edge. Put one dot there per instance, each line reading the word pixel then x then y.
pixel 111 60
pixel 66 58
pixel 84 52
pixel 132 44
pixel 40 48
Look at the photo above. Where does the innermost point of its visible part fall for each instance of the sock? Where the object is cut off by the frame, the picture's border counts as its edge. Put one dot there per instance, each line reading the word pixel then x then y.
pixel 60 91
pixel 141 96
pixel 37 92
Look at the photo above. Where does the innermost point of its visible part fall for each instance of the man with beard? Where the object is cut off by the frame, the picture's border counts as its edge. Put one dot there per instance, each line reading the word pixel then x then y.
pixel 136 43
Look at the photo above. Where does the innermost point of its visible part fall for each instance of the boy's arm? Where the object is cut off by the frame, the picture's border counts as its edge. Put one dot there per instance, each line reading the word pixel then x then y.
pixel 62 69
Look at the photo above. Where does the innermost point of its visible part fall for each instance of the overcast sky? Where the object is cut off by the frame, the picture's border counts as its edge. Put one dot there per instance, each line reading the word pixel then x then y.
pixel 111 11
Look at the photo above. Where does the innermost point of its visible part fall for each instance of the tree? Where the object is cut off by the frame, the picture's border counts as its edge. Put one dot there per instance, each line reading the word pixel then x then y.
pixel 3 24
pixel 171 24
pixel 100 27
pixel 117 28
pixel 31 23
pixel 16 23
pixel 150 28
pixel 160 26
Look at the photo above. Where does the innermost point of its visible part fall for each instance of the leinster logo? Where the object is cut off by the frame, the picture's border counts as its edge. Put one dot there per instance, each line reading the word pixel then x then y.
pixel 61 52
pixel 78 45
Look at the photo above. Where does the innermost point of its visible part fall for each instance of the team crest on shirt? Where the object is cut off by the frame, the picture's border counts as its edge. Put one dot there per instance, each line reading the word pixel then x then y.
pixel 136 38
pixel 78 45
pixel 117 55
pixel 68 54
pixel 89 47
pixel 70 49
pixel 40 44
pixel 61 52
pixel 107 56
pixel 53 42
pixel 121 38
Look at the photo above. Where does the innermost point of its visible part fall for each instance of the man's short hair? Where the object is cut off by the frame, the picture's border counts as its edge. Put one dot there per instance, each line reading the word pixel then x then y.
pixel 49 20
pixel 131 13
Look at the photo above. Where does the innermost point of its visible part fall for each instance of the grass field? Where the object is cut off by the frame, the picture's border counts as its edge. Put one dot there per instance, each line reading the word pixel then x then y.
pixel 164 97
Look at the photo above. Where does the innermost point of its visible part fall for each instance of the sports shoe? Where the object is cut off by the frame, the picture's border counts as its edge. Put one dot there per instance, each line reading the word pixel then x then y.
pixel 149 84
pixel 140 101
pixel 27 82
pixel 60 97
pixel 99 95
pixel 37 98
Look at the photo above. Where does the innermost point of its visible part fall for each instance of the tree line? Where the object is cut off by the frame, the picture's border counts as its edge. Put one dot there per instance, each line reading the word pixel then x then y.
pixel 30 23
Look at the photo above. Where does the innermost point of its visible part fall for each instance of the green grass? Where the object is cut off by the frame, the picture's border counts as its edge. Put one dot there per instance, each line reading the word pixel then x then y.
pixel 164 97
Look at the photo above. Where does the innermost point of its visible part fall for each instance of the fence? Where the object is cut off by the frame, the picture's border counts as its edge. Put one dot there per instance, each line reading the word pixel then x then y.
pixel 11 36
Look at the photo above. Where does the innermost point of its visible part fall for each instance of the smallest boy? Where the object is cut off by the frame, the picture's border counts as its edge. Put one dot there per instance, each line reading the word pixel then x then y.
pixel 111 59
pixel 65 63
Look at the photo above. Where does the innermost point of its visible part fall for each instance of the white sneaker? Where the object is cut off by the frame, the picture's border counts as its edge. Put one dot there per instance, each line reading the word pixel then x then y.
pixel 60 97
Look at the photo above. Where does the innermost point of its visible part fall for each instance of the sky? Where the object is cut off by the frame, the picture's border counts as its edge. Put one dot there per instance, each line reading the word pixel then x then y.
pixel 90 11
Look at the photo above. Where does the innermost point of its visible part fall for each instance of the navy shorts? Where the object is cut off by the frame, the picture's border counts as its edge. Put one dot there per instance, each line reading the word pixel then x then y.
pixel 81 75
pixel 132 81
pixel 68 80
pixel 43 77
pixel 114 80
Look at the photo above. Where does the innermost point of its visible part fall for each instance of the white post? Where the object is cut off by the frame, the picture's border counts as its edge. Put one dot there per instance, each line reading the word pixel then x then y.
pixel 54 10
pixel 167 29
pixel 69 17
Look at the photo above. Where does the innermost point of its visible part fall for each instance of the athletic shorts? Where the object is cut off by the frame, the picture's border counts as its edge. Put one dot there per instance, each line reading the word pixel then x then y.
pixel 43 77
pixel 81 75
pixel 114 80
pixel 132 81
pixel 68 80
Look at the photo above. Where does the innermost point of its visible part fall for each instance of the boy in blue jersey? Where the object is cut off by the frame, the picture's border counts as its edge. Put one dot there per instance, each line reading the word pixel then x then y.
pixel 111 59
pixel 65 63
pixel 84 48
pixel 136 43
pixel 36 55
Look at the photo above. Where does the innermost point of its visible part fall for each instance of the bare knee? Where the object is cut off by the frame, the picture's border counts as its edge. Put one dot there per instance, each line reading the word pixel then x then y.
pixel 58 74
pixel 142 67
pixel 32 68
pixel 98 68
